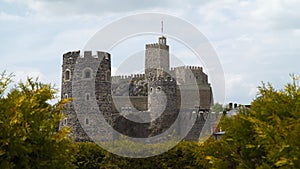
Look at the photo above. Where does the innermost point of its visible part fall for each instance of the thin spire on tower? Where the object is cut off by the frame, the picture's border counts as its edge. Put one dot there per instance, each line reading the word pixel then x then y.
pixel 162 27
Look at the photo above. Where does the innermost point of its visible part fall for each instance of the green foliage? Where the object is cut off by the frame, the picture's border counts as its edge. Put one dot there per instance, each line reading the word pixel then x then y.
pixel 90 156
pixel 214 154
pixel 276 123
pixel 181 156
pixel 28 136
pixel 267 136
pixel 217 107
pixel 129 148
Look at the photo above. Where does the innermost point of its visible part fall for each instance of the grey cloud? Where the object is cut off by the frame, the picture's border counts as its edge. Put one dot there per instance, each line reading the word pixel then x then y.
pixel 96 7
pixel 277 14
pixel 254 39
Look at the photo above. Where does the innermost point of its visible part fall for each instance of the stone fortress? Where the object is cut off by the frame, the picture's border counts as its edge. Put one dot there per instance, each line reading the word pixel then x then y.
pixel 140 105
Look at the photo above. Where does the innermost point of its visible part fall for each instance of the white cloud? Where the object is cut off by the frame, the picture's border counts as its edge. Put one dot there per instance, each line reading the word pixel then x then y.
pixel 240 88
pixel 256 40
pixel 7 17
pixel 21 73
pixel 278 14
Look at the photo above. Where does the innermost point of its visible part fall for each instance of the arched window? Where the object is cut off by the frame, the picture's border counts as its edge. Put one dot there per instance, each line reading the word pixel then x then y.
pixel 87 121
pixel 151 89
pixel 67 74
pixel 87 73
pixel 158 89
pixel 87 96
pixel 65 122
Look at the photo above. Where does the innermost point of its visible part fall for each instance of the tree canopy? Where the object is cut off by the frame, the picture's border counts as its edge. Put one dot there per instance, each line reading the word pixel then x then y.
pixel 265 136
pixel 28 127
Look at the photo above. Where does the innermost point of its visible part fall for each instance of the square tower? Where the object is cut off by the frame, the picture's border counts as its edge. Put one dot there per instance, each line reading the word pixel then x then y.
pixel 157 57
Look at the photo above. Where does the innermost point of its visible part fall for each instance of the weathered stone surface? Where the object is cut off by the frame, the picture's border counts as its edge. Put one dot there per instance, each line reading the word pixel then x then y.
pixel 139 105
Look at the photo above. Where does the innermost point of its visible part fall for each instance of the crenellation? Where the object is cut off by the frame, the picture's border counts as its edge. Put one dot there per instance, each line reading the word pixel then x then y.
pixel 128 77
pixel 187 67
pixel 71 53
pixel 87 54
pixel 160 87
pixel 157 45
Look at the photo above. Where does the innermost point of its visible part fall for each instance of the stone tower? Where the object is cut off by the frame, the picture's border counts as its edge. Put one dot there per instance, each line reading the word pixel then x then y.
pixel 161 86
pixel 162 102
pixel 157 57
pixel 157 65
pixel 87 80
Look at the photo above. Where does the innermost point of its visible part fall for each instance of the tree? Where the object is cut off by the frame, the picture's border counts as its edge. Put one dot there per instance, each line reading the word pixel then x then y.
pixel 28 123
pixel 276 123
pixel 90 156
pixel 267 136
pixel 217 108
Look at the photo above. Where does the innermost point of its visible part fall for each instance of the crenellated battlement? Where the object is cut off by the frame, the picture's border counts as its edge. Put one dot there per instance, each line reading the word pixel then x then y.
pixel 187 68
pixel 71 54
pixel 157 45
pixel 127 77
pixel 98 55
pixel 86 55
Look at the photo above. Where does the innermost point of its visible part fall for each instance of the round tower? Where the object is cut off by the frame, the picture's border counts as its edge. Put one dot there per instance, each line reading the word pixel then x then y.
pixel 70 120
pixel 87 80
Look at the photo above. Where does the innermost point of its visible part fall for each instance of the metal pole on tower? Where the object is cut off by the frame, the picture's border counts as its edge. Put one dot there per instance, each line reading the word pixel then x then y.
pixel 162 27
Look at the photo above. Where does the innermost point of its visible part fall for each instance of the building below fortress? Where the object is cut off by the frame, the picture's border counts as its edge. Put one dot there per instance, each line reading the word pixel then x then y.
pixel 139 106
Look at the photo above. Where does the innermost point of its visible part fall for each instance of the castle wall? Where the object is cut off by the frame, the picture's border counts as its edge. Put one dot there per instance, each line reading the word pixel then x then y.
pixel 187 92
pixel 162 103
pixel 192 79
pixel 133 103
pixel 159 93
pixel 131 85
pixel 126 78
pixel 190 75
pixel 206 98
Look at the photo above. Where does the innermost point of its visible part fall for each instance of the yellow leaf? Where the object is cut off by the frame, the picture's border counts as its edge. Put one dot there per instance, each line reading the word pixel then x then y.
pixel 281 162
pixel 2 152
pixel 208 157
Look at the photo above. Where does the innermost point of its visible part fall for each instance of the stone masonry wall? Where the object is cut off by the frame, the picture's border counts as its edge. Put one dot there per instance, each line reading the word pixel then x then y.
pixel 164 92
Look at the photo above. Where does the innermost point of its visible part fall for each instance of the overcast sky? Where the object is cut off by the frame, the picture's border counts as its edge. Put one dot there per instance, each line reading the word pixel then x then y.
pixel 255 40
